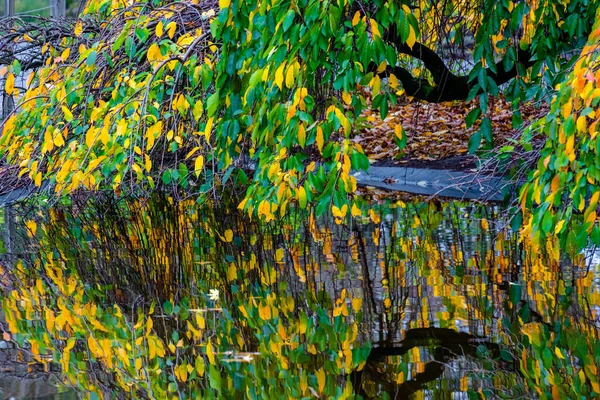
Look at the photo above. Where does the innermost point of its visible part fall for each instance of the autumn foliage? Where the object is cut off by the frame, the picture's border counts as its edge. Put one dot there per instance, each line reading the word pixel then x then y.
pixel 566 180
pixel 141 96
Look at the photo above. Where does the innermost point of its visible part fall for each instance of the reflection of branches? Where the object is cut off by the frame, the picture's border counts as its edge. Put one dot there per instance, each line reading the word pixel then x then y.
pixel 446 344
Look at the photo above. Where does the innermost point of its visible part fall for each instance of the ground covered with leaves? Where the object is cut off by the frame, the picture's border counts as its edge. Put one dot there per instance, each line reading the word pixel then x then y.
pixel 437 135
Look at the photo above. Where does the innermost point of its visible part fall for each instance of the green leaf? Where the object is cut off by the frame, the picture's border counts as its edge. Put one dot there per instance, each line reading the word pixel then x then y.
pixel 514 292
pixel 506 356
pixel 215 378
pixel 212 103
pixel 383 108
pixel 288 20
pixel 486 131
pixel 472 116
pixel 91 58
pixel 166 177
pixel 475 141
pixel 569 125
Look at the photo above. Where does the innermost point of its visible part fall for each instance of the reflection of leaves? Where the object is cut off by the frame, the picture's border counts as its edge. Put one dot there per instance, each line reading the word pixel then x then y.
pixel 444 345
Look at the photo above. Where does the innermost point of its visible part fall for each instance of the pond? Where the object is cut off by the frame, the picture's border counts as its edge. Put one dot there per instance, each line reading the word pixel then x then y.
pixel 405 300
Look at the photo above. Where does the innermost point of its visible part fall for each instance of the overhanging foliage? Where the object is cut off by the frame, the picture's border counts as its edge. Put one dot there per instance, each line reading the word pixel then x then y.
pixel 179 96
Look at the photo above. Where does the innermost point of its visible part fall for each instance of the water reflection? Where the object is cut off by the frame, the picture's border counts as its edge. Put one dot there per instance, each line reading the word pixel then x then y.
pixel 415 300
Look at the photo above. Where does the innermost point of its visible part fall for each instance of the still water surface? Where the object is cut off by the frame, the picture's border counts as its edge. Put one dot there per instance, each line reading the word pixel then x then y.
pixel 416 300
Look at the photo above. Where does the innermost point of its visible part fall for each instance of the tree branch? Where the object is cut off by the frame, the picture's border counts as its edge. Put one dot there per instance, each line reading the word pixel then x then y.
pixel 447 86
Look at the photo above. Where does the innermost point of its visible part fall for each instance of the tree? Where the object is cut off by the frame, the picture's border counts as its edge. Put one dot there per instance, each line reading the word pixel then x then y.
pixel 183 96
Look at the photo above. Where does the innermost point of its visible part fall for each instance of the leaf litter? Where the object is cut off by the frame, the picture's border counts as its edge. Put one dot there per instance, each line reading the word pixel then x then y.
pixel 436 132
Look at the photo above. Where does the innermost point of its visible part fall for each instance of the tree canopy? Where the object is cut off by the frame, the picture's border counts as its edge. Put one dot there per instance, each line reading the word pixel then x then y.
pixel 185 96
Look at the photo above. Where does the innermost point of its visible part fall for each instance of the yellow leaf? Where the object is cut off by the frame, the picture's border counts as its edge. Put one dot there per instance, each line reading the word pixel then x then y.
pixel 200 365
pixel 356 211
pixel 321 379
pixel 289 77
pixel 591 217
pixel 301 135
pixel 320 138
pixel 558 353
pixel 555 183
pixel 104 138
pixel 191 153
pixel 594 199
pixel 532 330
pixel 198 164
pixel 210 354
pixel 197 110
pixel 9 86
pixel 78 28
pixel 149 326
pixel 279 254
pixel 152 350
pixel 31 227
pixel 151 134
pixel 30 79
pixel 347 98
pixel 224 4
pixel 382 67
pixel 90 137
pixel 559 226
pixel 58 140
pixel 566 109
pixel 182 372
pixel 581 124
pixel 398 131
pixel 231 272
pixel 375 85
pixel 106 346
pixel 68 114
pixel 93 346
pixel 228 235
pixel 279 76
pixel 38 179
pixel 485 225
pixel 208 129
pixel 65 54
pixel 159 29
pixel 181 104
pixel 185 40
pixel 147 163
pixel 412 38
pixel 171 27
pixel 356 18
pixel 154 53
pixel 569 145
pixel 301 196
pixel 393 81
pixel 339 212
pixel 374 28
pixel 265 74
pixel 374 217
pixel 357 304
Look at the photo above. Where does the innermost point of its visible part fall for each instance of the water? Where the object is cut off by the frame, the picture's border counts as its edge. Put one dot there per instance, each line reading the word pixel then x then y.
pixel 418 300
